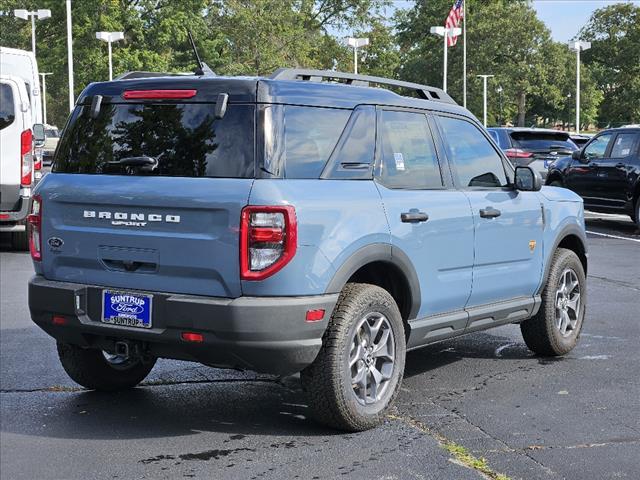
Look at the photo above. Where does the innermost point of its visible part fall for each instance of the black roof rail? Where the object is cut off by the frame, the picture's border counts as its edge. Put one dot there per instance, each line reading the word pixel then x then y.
pixel 141 74
pixel 424 91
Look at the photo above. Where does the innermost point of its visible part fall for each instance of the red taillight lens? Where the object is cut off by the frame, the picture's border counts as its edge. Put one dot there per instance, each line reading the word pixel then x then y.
pixel 26 158
pixel 517 153
pixel 192 337
pixel 158 94
pixel 314 315
pixel 268 240
pixel 34 219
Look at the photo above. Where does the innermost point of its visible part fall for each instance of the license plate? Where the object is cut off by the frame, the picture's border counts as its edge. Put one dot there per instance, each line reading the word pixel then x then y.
pixel 126 309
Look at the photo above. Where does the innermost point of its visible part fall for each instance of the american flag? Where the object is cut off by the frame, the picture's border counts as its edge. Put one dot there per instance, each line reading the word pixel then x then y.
pixel 453 20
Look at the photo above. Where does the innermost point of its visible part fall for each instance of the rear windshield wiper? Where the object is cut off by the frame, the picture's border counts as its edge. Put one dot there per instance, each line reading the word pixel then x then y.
pixel 143 161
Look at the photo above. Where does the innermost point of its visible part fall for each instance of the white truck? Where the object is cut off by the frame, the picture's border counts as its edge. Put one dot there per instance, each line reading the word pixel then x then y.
pixel 22 63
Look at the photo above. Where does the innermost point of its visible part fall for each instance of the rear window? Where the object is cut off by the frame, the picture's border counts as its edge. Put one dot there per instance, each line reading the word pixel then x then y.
pixel 299 140
pixel 543 141
pixel 7 112
pixel 182 140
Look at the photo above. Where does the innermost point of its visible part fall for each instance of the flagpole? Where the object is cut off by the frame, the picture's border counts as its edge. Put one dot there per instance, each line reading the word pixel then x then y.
pixel 464 53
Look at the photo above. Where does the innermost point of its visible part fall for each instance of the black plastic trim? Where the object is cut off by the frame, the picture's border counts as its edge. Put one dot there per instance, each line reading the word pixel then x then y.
pixel 567 230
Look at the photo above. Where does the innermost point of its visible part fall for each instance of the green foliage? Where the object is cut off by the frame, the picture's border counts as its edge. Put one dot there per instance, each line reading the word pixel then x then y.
pixel 255 37
pixel 614 59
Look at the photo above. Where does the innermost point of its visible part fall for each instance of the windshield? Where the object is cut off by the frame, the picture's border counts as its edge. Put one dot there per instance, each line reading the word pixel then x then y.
pixel 543 141
pixel 182 140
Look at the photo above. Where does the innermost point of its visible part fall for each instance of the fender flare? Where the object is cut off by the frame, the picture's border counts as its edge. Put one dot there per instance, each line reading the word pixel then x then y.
pixel 570 229
pixel 379 252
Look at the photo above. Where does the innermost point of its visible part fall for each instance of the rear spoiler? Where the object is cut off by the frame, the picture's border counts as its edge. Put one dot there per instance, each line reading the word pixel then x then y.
pixel 142 74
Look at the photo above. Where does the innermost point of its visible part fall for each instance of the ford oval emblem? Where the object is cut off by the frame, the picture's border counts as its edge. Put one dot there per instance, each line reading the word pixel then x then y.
pixel 55 242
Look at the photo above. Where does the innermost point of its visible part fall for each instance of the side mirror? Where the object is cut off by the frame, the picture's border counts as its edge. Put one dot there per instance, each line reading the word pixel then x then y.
pixel 39 136
pixel 527 179
pixel 576 154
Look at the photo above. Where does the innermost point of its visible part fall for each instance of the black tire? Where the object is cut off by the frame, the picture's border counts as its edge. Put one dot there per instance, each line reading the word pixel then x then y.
pixel 328 381
pixel 20 241
pixel 90 368
pixel 541 333
pixel 636 215
pixel 556 183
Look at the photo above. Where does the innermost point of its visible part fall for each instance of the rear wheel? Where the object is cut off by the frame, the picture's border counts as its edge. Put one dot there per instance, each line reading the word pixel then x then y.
pixel 98 370
pixel 555 329
pixel 637 213
pixel 357 374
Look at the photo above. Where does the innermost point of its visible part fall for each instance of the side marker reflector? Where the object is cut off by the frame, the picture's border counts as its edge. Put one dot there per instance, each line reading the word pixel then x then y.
pixel 58 320
pixel 315 315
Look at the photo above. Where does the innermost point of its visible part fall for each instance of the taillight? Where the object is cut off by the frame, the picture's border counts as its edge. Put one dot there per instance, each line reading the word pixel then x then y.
pixel 268 240
pixel 517 153
pixel 34 219
pixel 26 158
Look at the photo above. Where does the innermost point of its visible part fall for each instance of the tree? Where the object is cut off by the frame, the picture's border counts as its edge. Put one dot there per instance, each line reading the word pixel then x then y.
pixel 614 59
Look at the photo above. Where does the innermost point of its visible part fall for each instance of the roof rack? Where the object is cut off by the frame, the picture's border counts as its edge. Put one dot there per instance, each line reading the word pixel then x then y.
pixel 141 74
pixel 424 91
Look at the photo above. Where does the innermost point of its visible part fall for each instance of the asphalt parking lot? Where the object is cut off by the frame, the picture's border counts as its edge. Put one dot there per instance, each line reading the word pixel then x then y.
pixel 483 396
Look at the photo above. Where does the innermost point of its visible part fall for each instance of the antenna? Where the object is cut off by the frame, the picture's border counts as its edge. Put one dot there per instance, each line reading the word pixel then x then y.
pixel 200 69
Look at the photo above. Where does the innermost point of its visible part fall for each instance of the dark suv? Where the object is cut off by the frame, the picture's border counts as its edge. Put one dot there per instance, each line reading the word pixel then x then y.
pixel 605 173
pixel 535 147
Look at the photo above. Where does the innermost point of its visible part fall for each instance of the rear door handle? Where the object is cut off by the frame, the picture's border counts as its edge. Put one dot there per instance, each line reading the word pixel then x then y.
pixel 414 216
pixel 490 212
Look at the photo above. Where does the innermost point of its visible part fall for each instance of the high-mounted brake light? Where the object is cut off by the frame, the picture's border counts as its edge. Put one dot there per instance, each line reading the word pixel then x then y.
pixel 517 153
pixel 158 94
pixel 268 240
pixel 34 219
pixel 26 158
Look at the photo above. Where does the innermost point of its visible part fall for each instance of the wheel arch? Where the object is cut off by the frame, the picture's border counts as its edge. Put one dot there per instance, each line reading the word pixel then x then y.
pixel 573 238
pixel 387 267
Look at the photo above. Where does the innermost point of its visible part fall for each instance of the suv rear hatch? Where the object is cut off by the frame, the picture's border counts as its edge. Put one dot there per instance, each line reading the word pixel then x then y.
pixel 541 145
pixel 147 188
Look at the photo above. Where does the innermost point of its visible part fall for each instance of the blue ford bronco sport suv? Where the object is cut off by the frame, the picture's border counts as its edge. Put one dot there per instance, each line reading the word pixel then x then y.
pixel 307 222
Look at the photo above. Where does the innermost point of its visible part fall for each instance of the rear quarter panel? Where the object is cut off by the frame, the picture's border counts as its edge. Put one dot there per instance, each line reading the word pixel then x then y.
pixel 335 219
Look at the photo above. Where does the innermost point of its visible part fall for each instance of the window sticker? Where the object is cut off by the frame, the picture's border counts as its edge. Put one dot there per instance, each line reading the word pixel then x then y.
pixel 399 161
pixel 625 152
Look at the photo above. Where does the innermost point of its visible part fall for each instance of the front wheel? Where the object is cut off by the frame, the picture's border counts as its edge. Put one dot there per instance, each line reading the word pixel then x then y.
pixel 636 216
pixel 99 370
pixel 357 374
pixel 555 329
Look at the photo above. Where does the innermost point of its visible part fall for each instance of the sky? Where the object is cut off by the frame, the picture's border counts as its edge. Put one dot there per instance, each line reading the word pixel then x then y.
pixel 566 17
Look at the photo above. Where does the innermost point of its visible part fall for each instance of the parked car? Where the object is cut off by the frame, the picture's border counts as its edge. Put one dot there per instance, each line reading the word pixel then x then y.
pixel 22 63
pixel 535 147
pixel 580 139
pixel 17 165
pixel 605 173
pixel 53 136
pixel 303 222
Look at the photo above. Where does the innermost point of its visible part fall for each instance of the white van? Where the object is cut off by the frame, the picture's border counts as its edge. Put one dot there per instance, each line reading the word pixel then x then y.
pixel 17 165
pixel 22 63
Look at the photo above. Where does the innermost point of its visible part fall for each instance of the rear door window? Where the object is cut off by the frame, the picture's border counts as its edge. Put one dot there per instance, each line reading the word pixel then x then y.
pixel 299 140
pixel 183 140
pixel 623 145
pixel 473 159
pixel 409 157
pixel 7 109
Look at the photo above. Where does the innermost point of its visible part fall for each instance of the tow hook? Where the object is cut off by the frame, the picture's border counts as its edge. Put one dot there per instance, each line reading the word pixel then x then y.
pixel 122 348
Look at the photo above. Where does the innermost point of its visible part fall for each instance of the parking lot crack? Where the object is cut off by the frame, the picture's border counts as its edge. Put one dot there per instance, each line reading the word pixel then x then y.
pixel 618 283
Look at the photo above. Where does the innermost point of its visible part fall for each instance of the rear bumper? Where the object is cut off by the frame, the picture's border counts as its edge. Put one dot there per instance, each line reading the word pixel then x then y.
pixel 11 220
pixel 264 334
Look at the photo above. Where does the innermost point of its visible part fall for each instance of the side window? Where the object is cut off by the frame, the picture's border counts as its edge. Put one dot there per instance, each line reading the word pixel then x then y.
pixel 598 147
pixel 623 145
pixel 7 111
pixel 408 153
pixel 473 159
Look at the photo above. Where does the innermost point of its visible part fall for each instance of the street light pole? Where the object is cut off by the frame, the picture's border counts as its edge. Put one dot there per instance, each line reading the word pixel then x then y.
pixel 110 37
pixel 44 96
pixel 356 43
pixel 41 14
pixel 484 81
pixel 444 33
pixel 499 90
pixel 577 47
pixel 70 56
